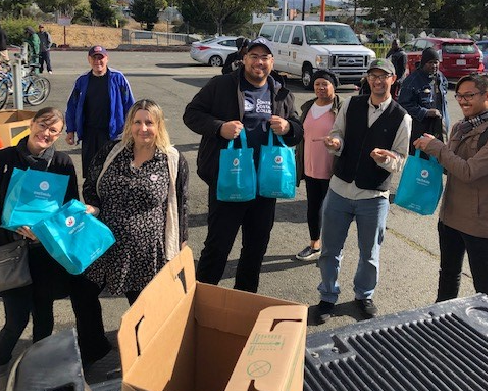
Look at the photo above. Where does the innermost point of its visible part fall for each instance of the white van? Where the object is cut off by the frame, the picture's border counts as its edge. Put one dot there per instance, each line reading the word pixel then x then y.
pixel 302 47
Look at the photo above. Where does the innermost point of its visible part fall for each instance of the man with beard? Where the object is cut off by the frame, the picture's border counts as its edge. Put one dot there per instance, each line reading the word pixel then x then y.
pixel 370 137
pixel 247 99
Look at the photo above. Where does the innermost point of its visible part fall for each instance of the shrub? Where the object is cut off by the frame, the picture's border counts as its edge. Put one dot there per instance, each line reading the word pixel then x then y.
pixel 14 28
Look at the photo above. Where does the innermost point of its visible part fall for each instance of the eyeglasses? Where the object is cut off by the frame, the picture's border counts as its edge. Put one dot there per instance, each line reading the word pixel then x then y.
pixel 52 130
pixel 468 97
pixel 263 58
pixel 373 77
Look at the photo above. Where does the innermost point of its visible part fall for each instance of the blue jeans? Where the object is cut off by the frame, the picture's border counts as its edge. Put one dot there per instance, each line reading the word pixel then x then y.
pixel 338 213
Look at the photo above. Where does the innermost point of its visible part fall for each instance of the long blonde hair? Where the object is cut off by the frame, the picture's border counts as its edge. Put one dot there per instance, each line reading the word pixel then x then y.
pixel 162 137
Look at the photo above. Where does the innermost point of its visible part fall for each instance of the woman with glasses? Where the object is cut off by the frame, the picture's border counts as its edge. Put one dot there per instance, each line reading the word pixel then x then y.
pixel 49 280
pixel 463 216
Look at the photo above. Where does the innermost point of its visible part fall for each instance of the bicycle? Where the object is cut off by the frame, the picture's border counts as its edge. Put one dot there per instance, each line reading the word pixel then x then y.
pixel 35 88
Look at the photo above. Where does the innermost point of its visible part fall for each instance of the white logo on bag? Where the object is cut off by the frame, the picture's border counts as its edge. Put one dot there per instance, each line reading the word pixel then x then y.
pixel 44 185
pixel 70 221
pixel 424 173
pixel 278 159
pixel 236 162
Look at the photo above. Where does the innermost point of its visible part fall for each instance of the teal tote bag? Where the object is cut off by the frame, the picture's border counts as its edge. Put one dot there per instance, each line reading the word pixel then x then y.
pixel 74 238
pixel 236 180
pixel 32 196
pixel 277 170
pixel 420 186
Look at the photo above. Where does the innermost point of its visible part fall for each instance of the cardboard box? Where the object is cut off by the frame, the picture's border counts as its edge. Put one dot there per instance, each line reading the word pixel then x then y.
pixel 182 335
pixel 14 125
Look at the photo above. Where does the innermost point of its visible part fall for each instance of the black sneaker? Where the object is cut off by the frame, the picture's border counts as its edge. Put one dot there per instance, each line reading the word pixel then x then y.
pixel 320 313
pixel 308 254
pixel 367 307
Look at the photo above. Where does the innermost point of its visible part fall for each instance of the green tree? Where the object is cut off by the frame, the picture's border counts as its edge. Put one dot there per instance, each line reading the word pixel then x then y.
pixel 65 7
pixel 146 12
pixel 103 12
pixel 13 8
pixel 406 13
pixel 212 16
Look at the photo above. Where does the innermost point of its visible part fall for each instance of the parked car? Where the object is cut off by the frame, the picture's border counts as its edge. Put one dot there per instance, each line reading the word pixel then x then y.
pixel 213 51
pixel 483 46
pixel 459 57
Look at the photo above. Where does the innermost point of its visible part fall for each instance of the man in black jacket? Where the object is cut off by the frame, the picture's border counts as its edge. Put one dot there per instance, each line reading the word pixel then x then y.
pixel 228 104
pixel 234 60
pixel 370 137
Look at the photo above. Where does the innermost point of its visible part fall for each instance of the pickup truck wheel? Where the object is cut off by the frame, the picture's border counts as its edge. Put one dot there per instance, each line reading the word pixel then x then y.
pixel 307 77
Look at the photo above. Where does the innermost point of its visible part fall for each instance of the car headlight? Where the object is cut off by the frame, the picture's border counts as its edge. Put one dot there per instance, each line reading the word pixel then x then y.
pixel 322 61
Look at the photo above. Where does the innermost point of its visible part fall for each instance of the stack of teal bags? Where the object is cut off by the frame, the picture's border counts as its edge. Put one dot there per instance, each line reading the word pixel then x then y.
pixel 71 236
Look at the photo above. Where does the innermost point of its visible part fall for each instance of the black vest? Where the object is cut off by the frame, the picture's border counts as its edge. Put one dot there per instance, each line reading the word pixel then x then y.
pixel 355 162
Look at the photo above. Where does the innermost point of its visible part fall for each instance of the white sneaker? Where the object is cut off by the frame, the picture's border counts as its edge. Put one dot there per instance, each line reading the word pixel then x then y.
pixel 50 72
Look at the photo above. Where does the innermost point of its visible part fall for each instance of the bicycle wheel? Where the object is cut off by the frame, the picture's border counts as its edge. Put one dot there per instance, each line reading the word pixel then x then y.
pixel 37 91
pixel 3 94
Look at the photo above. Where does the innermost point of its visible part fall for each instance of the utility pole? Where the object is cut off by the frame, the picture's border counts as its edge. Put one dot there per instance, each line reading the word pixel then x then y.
pixel 322 10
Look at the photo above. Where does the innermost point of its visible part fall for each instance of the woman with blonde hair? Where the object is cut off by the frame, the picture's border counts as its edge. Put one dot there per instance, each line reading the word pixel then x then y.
pixel 140 187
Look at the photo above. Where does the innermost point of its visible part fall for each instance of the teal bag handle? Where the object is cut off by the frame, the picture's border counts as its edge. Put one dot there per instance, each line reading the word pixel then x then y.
pixel 243 137
pixel 431 158
pixel 270 139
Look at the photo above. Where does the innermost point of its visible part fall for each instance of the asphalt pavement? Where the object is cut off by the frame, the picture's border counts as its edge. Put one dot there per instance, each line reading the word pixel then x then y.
pixel 409 255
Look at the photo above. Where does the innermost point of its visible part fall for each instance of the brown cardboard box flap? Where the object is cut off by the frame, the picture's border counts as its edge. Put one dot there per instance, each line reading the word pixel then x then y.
pixel 273 352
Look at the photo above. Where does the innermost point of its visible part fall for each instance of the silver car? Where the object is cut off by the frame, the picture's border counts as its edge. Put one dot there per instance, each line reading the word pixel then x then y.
pixel 213 51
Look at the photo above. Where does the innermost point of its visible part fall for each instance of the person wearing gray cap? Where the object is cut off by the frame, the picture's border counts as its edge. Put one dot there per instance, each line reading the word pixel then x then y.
pixel 424 96
pixel 248 100
pixel 34 42
pixel 370 137
pixel 46 43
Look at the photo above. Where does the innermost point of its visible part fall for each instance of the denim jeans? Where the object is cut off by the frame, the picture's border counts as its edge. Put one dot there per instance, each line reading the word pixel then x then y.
pixel 338 213
pixel 454 244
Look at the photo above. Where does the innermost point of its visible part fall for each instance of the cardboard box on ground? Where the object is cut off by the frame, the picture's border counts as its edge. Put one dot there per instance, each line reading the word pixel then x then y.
pixel 14 125
pixel 182 335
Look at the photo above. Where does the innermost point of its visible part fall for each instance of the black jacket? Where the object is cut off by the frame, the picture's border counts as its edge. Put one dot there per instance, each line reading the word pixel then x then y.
pixel 221 100
pixel 10 158
pixel 3 40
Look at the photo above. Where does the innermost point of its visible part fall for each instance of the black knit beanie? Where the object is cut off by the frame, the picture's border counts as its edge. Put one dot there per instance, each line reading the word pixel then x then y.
pixel 327 76
pixel 428 55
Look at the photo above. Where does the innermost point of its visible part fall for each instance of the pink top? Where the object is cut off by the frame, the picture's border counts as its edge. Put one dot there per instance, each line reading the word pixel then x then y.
pixel 318 161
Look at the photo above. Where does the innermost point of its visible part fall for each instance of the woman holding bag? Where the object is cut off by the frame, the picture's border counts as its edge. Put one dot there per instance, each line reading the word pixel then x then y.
pixel 50 280
pixel 314 162
pixel 140 185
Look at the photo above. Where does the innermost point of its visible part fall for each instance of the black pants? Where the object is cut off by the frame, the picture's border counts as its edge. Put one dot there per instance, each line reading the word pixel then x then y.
pixel 256 218
pixel 454 244
pixel 89 321
pixel 17 303
pixel 50 282
pixel 93 140
pixel 45 57
pixel 316 191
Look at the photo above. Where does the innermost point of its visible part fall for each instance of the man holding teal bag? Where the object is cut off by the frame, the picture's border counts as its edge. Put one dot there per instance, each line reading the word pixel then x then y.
pixel 246 98
pixel 463 216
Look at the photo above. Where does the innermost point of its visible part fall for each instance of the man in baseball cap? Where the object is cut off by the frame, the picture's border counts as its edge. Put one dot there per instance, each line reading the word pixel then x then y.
pixel 370 138
pixel 97 106
pixel 262 42
pixel 94 50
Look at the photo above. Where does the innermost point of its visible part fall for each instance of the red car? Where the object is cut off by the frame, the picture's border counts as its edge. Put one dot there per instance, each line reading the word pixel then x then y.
pixel 459 57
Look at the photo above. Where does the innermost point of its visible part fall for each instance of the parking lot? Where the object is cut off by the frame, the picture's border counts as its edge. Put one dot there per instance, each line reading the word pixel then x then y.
pixel 410 254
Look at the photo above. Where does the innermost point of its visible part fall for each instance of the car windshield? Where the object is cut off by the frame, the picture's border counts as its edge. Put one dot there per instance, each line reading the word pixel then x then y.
pixel 208 40
pixel 483 46
pixel 319 34
pixel 459 48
